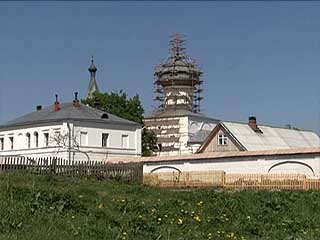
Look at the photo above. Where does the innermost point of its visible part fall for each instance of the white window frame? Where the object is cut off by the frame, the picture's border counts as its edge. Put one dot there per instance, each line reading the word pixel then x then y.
pixel 125 144
pixel 85 134
pixel 223 140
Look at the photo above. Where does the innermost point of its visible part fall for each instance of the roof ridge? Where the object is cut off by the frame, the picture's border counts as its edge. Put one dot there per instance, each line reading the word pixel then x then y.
pixel 272 126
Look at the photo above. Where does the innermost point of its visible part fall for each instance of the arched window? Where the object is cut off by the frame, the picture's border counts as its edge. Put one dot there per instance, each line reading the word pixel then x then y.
pixel 28 140
pixel 36 139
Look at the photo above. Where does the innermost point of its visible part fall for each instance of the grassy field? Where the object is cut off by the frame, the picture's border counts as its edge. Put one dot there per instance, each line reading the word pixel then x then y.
pixel 43 207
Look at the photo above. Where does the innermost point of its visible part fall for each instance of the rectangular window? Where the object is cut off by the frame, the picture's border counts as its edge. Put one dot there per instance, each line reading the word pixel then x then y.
pixel 222 139
pixel 105 139
pixel 1 143
pixel 46 139
pixel 125 141
pixel 11 142
pixel 83 139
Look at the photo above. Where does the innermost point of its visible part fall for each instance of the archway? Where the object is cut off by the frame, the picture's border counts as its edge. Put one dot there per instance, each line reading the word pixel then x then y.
pixel 164 167
pixel 291 167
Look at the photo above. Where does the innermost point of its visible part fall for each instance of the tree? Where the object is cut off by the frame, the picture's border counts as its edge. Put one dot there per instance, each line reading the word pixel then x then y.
pixel 149 142
pixel 119 104
pixel 64 142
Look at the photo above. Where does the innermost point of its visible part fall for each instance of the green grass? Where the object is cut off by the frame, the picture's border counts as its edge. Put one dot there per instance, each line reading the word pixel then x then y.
pixel 43 207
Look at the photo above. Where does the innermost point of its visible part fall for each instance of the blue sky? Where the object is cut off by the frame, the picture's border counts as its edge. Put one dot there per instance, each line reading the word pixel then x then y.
pixel 258 58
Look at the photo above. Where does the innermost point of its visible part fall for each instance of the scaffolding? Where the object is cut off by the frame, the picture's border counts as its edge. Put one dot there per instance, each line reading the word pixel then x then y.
pixel 177 80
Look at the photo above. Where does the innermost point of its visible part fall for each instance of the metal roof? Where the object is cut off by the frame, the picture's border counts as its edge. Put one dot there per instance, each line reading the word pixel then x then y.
pixel 67 111
pixel 212 156
pixel 271 137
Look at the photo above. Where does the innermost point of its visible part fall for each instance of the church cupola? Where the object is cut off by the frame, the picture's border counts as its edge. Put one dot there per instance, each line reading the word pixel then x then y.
pixel 178 79
pixel 93 86
pixel 92 68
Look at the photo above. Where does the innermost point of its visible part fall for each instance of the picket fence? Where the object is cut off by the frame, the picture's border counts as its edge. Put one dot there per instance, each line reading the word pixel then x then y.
pixel 232 181
pixel 52 165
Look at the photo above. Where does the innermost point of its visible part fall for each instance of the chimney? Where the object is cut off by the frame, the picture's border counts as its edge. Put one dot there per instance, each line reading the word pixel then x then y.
pixel 253 124
pixel 288 126
pixel 39 107
pixel 56 104
pixel 76 102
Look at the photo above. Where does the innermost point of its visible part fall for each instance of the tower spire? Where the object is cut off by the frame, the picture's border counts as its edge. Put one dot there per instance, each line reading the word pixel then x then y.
pixel 93 86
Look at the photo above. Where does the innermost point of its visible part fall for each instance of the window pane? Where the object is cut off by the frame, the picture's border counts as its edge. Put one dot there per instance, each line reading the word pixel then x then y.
pixel 28 139
pixel 83 139
pixel 105 137
pixel 46 139
pixel 222 139
pixel 125 141
pixel 225 141
pixel 36 139
pixel 1 143
pixel 11 142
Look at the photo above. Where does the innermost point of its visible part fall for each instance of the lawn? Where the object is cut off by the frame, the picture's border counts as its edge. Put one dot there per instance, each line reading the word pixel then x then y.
pixel 44 207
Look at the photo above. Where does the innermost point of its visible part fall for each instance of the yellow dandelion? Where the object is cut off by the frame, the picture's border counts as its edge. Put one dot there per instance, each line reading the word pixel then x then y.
pixel 197 218
pixel 180 221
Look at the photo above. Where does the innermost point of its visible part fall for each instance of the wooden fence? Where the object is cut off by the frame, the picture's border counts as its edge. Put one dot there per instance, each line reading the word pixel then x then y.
pixel 184 179
pixel 232 181
pixel 266 181
pixel 128 172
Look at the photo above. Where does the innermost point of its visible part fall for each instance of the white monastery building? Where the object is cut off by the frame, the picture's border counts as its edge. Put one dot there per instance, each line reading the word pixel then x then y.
pixel 72 131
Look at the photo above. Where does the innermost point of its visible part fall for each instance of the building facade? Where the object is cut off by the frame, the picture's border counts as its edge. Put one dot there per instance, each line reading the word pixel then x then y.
pixel 72 131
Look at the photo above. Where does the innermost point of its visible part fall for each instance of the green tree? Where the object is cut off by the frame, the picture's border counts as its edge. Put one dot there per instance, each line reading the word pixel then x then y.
pixel 149 142
pixel 119 104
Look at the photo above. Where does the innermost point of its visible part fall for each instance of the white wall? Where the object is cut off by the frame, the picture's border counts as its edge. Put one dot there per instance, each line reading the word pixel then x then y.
pixel 258 164
pixel 92 150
